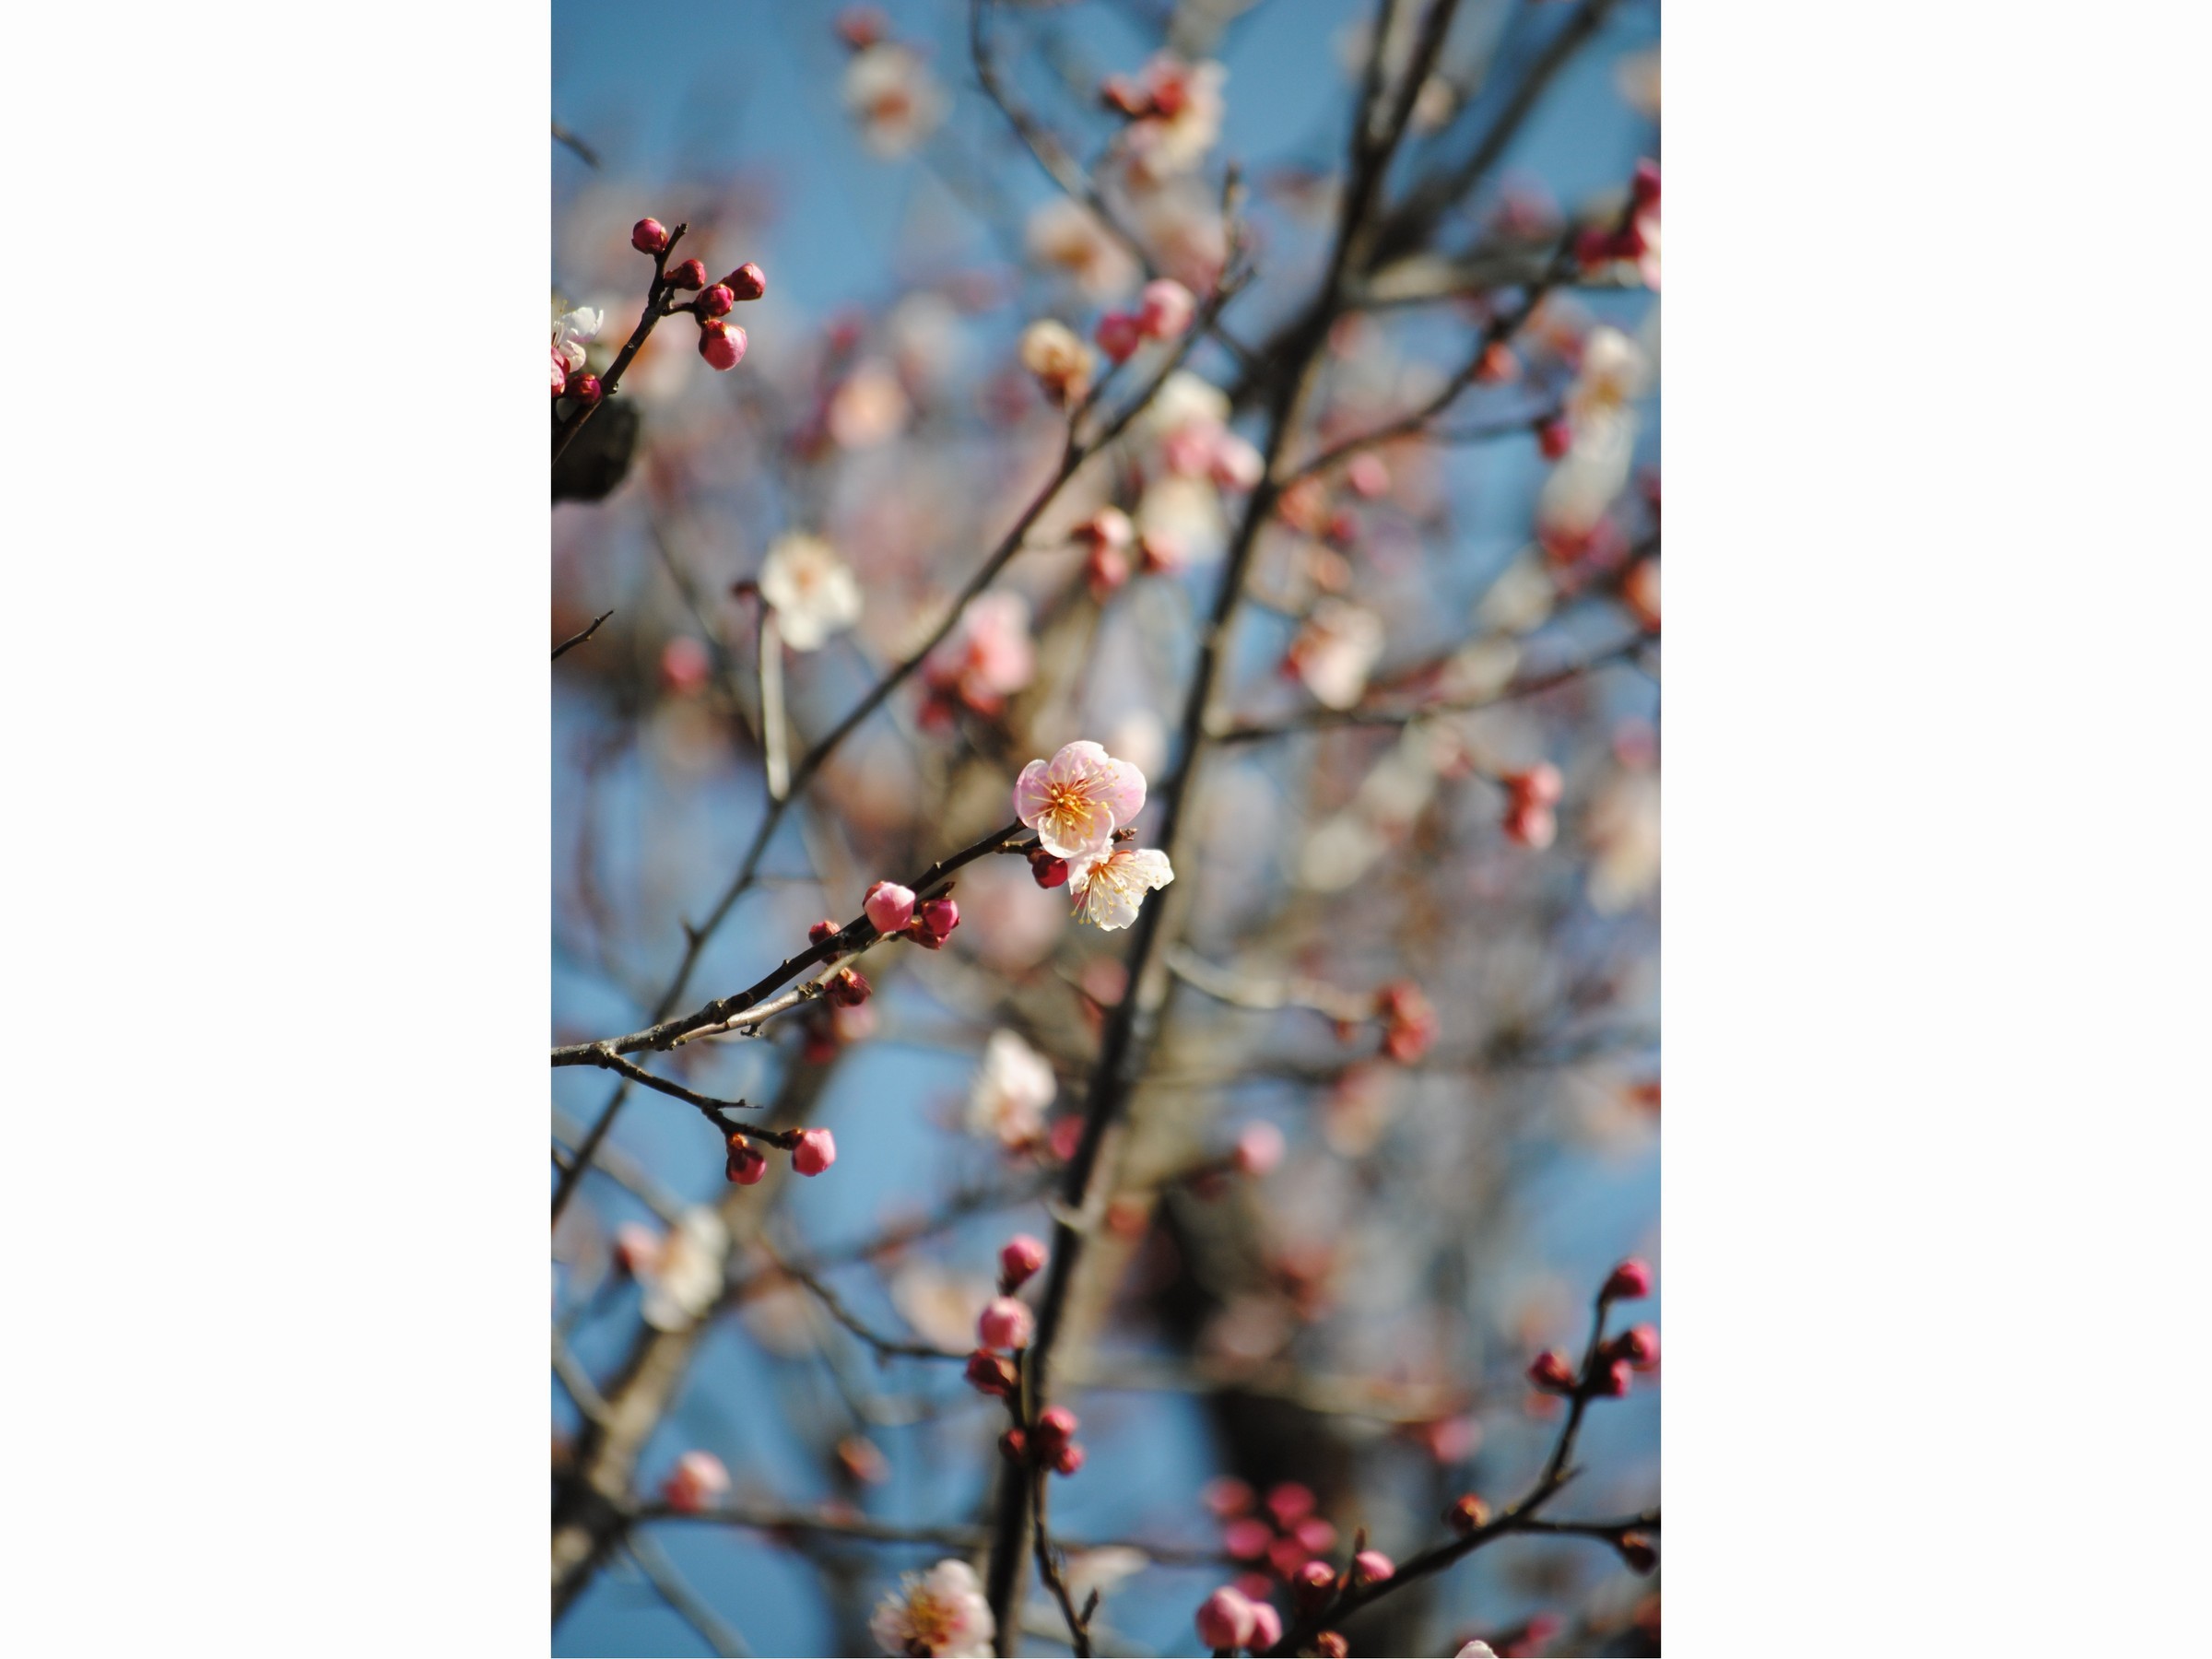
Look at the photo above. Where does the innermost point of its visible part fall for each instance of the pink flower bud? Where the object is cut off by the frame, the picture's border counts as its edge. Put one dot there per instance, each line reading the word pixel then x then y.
pixel 1531 825
pixel 1267 1627
pixel 1314 1535
pixel 721 344
pixel 649 236
pixel 1225 1619
pixel 1540 783
pixel 1549 1370
pixel 1118 335
pixel 1592 245
pixel 1554 438
pixel 1613 1381
pixel 1225 1495
pixel 1639 1344
pixel 689 275
pixel 822 932
pixel 716 302
pixel 848 988
pixel 816 1151
pixel 1049 871
pixel 1166 309
pixel 696 1482
pixel 1371 1567
pixel 990 1373
pixel 1056 1427
pixel 1018 1261
pixel 748 281
pixel 1367 474
pixel 1312 1585
pixel 890 907
pixel 583 387
pixel 1630 1281
pixel 940 916
pixel 1067 1459
pixel 746 1163
pixel 1007 1324
pixel 1290 1503
pixel 1247 1538
pixel 1259 1148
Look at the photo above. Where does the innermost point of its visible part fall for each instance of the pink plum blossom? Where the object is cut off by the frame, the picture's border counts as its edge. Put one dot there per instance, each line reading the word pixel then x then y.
pixel 1011 1091
pixel 1166 309
pixel 1077 799
pixel 890 907
pixel 942 1612
pixel 696 1483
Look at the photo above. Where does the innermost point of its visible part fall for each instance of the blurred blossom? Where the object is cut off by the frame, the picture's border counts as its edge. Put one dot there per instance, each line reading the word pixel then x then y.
pixel 687 1280
pixel 892 95
pixel 1011 1091
pixel 572 330
pixel 1521 598
pixel 1069 238
pixel 1013 923
pixel 1337 650
pixel 941 1306
pixel 813 591
pixel 1139 737
pixel 1180 522
pixel 1623 832
pixel 940 1612
pixel 1346 845
pixel 1636 76
pixel 1101 1570
pixel 988 656
pixel 1187 99
pixel 1181 222
pixel 869 406
pixel 927 336
pixel 1060 362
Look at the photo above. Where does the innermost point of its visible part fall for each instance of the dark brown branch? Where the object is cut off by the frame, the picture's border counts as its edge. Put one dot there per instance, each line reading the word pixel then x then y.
pixel 658 304
pixel 575 639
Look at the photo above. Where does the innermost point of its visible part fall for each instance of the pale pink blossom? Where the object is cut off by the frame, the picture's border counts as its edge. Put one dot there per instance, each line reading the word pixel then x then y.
pixel 572 330
pixel 940 1612
pixel 1109 890
pixel 1166 309
pixel 1077 799
pixel 697 1482
pixel 813 591
pixel 1006 1323
pixel 988 656
pixel 688 1279
pixel 889 906
pixel 869 406
pixel 895 99
pixel 1337 650
pixel 1011 1091
pixel 1072 239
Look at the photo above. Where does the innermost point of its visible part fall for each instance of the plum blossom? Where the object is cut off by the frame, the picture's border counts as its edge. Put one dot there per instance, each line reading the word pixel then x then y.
pixel 939 1612
pixel 688 1279
pixel 1012 1091
pixel 891 93
pixel 1070 238
pixel 1184 121
pixel 987 657
pixel 1108 890
pixel 1077 799
pixel 813 591
pixel 1335 651
pixel 572 330
pixel 1060 362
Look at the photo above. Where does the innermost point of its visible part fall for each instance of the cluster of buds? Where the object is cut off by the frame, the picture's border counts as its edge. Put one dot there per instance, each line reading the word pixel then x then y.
pixel 1530 798
pixel 1635 1349
pixel 894 911
pixel 1409 1023
pixel 1280 1535
pixel 721 344
pixel 1164 313
pixel 1228 1619
pixel 812 1151
pixel 1635 241
pixel 1051 1442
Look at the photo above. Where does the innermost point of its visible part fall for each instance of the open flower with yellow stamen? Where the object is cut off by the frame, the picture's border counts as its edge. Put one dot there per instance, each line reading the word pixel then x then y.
pixel 941 1612
pixel 1077 799
pixel 1109 889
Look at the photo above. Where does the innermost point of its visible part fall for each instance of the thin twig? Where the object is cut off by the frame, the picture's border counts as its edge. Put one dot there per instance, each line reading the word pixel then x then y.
pixel 575 639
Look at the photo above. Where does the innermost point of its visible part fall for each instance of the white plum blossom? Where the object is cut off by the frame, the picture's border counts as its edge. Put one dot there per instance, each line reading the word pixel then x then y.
pixel 1175 140
pixel 941 1612
pixel 1109 890
pixel 1077 799
pixel 897 101
pixel 1337 650
pixel 1070 238
pixel 813 591
pixel 686 1280
pixel 572 330
pixel 1011 1092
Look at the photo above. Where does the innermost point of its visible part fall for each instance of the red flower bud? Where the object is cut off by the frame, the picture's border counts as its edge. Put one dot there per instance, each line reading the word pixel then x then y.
pixel 649 236
pixel 582 387
pixel 848 988
pixel 1056 1427
pixel 822 932
pixel 1312 1585
pixel 1373 1566
pixel 1014 1445
pixel 1630 1281
pixel 689 275
pixel 1645 186
pixel 990 1373
pixel 1613 1381
pixel 816 1151
pixel 1639 1344
pixel 716 300
pixel 1554 438
pixel 1550 1371
pixel 745 1163
pixel 1637 1551
pixel 1049 871
pixel 721 344
pixel 748 281
pixel 1469 1514
pixel 1067 1459
pixel 1018 1262
pixel 940 916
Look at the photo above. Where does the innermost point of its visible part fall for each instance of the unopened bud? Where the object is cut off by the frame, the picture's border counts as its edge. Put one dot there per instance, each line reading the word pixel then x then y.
pixel 990 1373
pixel 1469 1514
pixel 748 281
pixel 689 275
pixel 649 236
pixel 716 300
